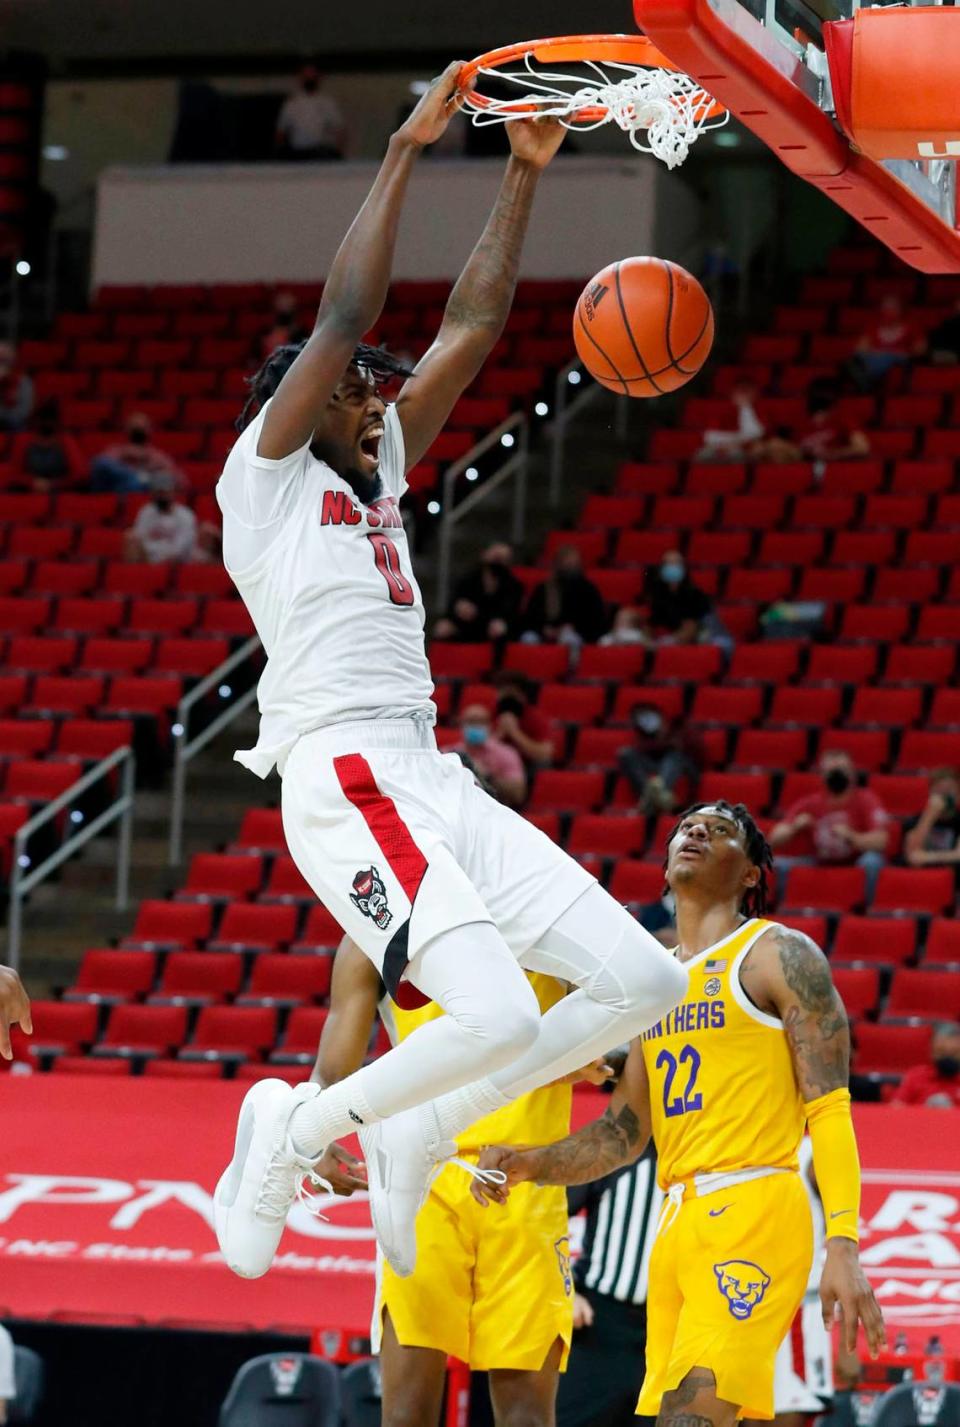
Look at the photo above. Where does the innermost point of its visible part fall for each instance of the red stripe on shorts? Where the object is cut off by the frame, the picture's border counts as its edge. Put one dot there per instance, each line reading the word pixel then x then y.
pixel 797 1346
pixel 379 812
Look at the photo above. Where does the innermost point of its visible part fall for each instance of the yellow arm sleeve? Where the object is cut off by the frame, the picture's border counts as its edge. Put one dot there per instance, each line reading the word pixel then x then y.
pixel 836 1162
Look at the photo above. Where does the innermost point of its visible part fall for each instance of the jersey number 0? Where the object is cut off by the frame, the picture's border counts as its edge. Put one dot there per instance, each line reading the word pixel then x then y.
pixel 388 563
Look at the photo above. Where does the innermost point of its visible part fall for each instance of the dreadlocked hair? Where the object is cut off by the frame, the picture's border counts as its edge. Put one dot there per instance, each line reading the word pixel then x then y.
pixel 377 363
pixel 755 899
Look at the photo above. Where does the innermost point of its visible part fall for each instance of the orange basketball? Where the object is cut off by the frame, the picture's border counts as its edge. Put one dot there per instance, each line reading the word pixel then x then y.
pixel 643 326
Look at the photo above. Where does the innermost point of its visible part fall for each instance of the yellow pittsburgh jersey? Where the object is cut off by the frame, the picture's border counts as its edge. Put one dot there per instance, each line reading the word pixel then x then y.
pixel 723 1093
pixel 534 1119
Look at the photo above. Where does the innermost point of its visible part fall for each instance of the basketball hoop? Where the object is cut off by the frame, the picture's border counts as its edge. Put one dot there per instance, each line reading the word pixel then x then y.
pixel 623 80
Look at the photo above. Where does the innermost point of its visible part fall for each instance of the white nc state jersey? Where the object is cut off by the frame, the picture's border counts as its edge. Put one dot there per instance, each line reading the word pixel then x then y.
pixel 330 588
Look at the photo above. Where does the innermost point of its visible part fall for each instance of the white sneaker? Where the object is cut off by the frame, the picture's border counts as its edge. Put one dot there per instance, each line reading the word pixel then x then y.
pixel 403 1160
pixel 258 1187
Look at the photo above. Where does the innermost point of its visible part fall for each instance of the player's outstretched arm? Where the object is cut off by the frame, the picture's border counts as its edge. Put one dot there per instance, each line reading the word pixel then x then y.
pixel 787 974
pixel 619 1137
pixel 481 300
pixel 357 285
pixel 14 1009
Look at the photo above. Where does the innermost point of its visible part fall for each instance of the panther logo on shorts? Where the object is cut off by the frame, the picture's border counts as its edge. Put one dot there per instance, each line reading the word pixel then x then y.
pixel 369 896
pixel 742 1284
pixel 562 1250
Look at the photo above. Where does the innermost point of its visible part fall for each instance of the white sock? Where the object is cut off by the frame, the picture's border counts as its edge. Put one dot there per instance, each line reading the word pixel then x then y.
pixel 337 1111
pixel 451 1114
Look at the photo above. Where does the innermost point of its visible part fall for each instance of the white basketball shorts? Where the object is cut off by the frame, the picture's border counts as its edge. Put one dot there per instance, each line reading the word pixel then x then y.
pixel 803 1375
pixel 400 844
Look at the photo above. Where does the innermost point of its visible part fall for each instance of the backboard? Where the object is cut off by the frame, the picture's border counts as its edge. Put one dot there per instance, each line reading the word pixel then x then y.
pixel 765 61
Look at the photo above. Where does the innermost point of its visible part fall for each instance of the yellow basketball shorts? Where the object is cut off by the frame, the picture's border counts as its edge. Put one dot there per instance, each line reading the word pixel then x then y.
pixel 727 1276
pixel 492 1286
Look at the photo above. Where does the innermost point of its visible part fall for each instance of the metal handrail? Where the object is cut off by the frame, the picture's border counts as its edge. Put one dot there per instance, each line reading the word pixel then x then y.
pixel 185 750
pixel 516 463
pixel 22 881
pixel 565 408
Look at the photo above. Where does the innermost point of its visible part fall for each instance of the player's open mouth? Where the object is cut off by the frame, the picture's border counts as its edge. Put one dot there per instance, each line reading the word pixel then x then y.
pixel 370 445
pixel 691 849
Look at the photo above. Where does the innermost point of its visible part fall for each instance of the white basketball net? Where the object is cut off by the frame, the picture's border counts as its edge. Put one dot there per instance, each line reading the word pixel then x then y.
pixel 661 111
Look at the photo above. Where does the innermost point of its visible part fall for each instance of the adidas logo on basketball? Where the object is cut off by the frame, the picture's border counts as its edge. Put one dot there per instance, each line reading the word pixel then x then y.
pixel 593 299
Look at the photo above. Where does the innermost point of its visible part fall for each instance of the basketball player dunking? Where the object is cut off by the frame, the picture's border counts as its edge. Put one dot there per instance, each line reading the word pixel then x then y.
pixel 757 1050
pixel 447 892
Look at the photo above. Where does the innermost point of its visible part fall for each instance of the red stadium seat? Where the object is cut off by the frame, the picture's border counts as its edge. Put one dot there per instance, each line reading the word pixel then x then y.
pixel 681 512
pixel 537 661
pixel 862 547
pixel 831 584
pixel 39 781
pixel 922 891
pixel 842 663
pixel 460 661
pixel 668 698
pixel 646 478
pixel 729 549
pixel 886 941
pixel 869 748
pixel 192 658
pixel 924 751
pixel 620 663
pixel 228 617
pixel 59 577
pixel 220 875
pixel 814 707
pixel 41 542
pixel 815 927
pixel 288 980
pixel 89 616
pixel 764 663
pixel 939 622
pixel 256 926
pixel 762 586
pixel 889 708
pixel 716 479
pixel 143 581
pixel 144 695
pixel 286 883
pixel 790 547
pixel 930 547
pixel 854 477
pixel 572 703
pixel 945 709
pixel 895 512
pixel 752 789
pixel 882 624
pixel 302 1035
pixel 752 512
pixel 644 547
pixel 921 477
pixel 728 705
pixel 617 587
pixel 634 881
pixel 322 931
pixel 162 616
pixel 824 512
pixel 567 792
pixel 902 796
pixel 24 614
pixel 599 747
pixel 162 924
pixel 205 580
pixel 799 785
pixel 934 995
pixel 13 576
pixel 859 989
pixel 261 831
pixel 943 942
pixel 94 738
pixel 911 584
pixel 115 656
pixel 56 694
pixel 59 1028
pixel 611 512
pixel 89 1065
pixel 100 544
pixel 143 1030
pixel 826 889
pixel 776 749
pixel 198 978
pixel 782 479
pixel 686 663
pixel 606 835
pixel 890 1049
pixel 13 692
pixel 25 738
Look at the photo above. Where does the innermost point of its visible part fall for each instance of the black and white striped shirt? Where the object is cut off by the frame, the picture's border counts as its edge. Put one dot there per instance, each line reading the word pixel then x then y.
pixel 623 1209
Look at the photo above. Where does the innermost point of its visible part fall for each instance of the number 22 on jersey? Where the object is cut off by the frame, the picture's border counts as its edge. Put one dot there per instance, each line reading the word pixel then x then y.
pixel 680 1095
pixel 388 563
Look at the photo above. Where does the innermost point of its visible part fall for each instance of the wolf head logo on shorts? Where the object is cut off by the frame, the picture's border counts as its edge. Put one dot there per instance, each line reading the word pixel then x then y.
pixel 369 896
pixel 742 1284
pixel 562 1250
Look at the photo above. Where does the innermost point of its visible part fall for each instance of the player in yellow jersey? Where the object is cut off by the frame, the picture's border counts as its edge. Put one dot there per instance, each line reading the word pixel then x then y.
pixel 495 1292
pixel 757 1050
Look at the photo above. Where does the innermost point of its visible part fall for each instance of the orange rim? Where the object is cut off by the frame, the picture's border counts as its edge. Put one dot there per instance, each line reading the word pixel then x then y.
pixel 567 49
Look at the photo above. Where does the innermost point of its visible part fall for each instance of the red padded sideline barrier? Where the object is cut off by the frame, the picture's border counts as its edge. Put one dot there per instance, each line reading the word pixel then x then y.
pixel 105 1214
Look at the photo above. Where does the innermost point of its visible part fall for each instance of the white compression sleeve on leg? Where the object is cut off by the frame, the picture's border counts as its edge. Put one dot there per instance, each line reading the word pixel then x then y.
pixel 626 981
pixel 492 1017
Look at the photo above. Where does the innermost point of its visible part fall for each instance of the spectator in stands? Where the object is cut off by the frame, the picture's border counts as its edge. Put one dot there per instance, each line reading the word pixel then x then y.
pixel 136 464
pixel 662 753
pixel 890 339
pixel 841 826
pixel 741 436
pixel 934 840
pixel 8 1385
pixel 520 723
pixel 486 601
pixel 500 765
pixel 283 328
pixel 47 457
pixel 944 339
pixel 825 436
pixel 679 610
pixel 629 627
pixel 938 1082
pixel 16 391
pixel 166 529
pixel 310 124
pixel 567 608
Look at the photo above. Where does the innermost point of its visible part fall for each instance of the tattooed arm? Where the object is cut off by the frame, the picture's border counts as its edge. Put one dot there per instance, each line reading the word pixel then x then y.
pixel 481 300
pixel 619 1137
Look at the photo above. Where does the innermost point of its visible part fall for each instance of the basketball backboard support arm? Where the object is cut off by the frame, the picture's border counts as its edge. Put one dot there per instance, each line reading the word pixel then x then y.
pixel 770 89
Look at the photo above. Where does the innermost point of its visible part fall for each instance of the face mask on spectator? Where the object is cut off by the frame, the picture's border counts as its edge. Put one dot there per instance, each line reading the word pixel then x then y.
pixel 162 502
pixel 474 734
pixel 137 435
pixel 948 1066
pixel 510 704
pixel 649 721
pixel 672 571
pixel 837 780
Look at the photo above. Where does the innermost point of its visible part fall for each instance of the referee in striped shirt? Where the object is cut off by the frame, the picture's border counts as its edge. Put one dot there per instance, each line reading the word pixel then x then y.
pixel 607 1362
